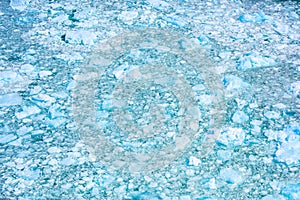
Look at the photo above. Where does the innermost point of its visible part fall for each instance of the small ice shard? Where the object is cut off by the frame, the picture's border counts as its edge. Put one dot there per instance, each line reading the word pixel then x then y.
pixel 232 83
pixel 52 150
pixel 253 18
pixel 45 73
pixel 254 60
pixel 295 89
pixel 81 37
pixel 28 111
pixel 24 130
pixel 11 99
pixel 128 16
pixel 231 137
pixel 193 161
pixel 19 4
pixel 231 176
pixel 203 40
pixel 4 139
pixel 239 117
pixel 272 115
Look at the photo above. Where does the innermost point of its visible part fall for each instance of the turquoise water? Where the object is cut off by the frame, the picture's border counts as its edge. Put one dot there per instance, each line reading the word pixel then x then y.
pixel 149 100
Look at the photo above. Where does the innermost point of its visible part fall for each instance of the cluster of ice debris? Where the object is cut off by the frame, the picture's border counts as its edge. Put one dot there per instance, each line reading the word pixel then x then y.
pixel 255 45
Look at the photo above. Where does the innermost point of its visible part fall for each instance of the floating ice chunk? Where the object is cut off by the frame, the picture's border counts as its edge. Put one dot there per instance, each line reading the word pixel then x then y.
pixel 272 115
pixel 254 60
pixel 11 99
pixel 23 130
pixel 145 195
pixel 281 28
pixel 292 191
pixel 232 83
pixel 231 176
pixel 158 3
pixel 193 161
pixel 68 161
pixel 29 174
pixel 12 81
pixel 19 4
pixel 176 21
pixel 81 37
pixel 54 150
pixel 128 16
pixel 232 137
pixel 289 151
pixel 203 40
pixel 273 197
pixel 43 100
pixel 278 136
pixel 45 73
pixel 254 18
pixel 27 111
pixel 295 89
pixel 56 122
pixel 4 139
pixel 224 155
pixel 239 117
pixel 27 69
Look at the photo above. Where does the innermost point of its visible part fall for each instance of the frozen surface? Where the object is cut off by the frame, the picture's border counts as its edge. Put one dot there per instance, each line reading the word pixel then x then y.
pixel 248 148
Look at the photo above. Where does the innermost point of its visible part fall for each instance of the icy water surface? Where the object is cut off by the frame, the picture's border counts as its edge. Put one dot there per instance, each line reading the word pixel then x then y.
pixel 150 100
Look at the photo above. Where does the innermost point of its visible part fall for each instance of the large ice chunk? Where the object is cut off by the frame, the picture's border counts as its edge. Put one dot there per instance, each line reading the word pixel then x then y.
pixel 19 4
pixel 27 111
pixel 240 117
pixel 10 99
pixel 295 89
pixel 81 37
pixel 232 137
pixel 231 176
pixel 253 18
pixel 4 139
pixel 291 191
pixel 254 60
pixel 233 83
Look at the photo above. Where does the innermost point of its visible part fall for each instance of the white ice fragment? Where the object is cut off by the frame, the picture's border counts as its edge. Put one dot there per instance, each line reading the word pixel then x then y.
pixel 194 161
pixel 68 161
pixel 128 16
pixel 272 115
pixel 273 197
pixel 240 117
pixel 231 176
pixel 291 191
pixel 23 130
pixel 254 60
pixel 252 18
pixel 295 89
pixel 56 122
pixel 27 111
pixel 289 152
pixel 45 73
pixel 27 69
pixel 231 136
pixel 54 150
pixel 4 139
pixel 224 155
pixel 10 99
pixel 81 37
pixel 232 83
pixel 19 4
